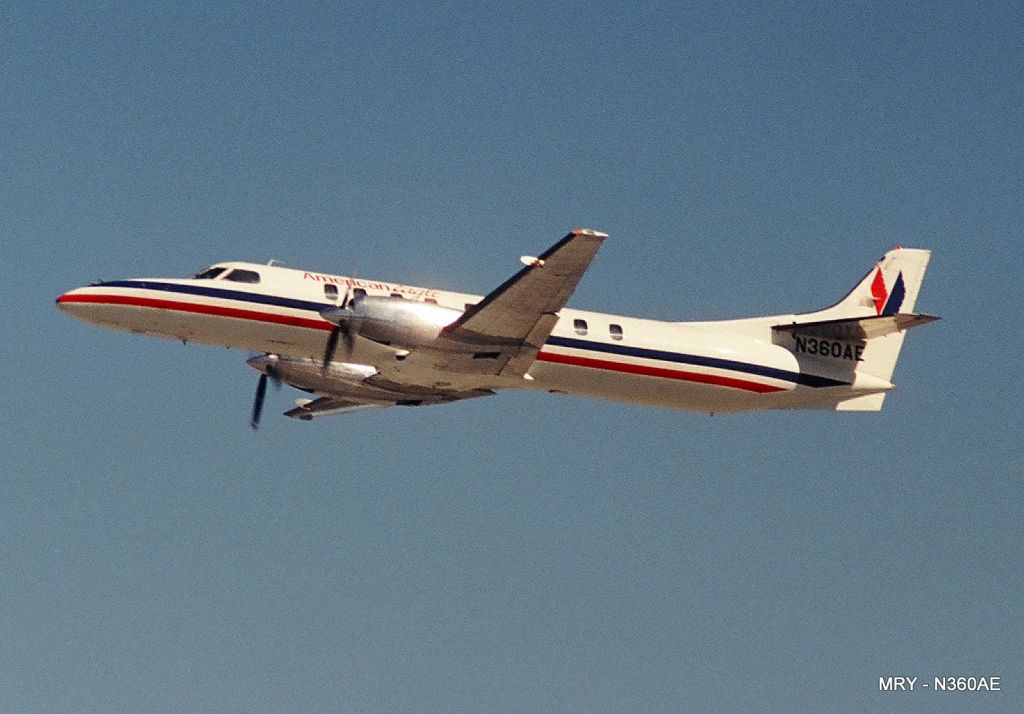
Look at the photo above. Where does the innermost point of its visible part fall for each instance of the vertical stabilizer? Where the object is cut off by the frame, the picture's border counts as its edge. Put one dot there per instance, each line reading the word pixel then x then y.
pixel 889 288
pixel 861 336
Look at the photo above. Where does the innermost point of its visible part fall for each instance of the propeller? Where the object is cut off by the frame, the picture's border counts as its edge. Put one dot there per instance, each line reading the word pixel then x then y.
pixel 268 372
pixel 342 329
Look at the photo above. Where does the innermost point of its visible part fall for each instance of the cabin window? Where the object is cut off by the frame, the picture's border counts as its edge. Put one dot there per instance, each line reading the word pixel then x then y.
pixel 432 301
pixel 358 292
pixel 615 331
pixel 580 326
pixel 397 295
pixel 243 276
pixel 330 291
pixel 209 274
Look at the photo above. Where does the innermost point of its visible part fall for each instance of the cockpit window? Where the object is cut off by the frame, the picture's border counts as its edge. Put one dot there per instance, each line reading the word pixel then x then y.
pixel 243 276
pixel 209 273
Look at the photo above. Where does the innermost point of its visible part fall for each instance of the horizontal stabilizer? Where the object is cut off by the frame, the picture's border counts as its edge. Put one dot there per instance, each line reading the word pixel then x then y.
pixel 865 403
pixel 857 328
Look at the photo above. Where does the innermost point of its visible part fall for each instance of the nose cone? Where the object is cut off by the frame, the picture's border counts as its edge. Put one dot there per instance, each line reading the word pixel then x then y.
pixel 75 302
pixel 103 304
pixel 65 299
pixel 265 364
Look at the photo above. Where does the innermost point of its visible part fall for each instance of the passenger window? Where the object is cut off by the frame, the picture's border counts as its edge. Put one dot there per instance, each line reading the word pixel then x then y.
pixel 397 295
pixel 616 331
pixel 243 276
pixel 358 292
pixel 432 301
pixel 331 291
pixel 580 326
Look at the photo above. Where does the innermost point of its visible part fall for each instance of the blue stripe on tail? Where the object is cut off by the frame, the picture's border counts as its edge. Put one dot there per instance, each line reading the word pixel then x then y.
pixel 895 301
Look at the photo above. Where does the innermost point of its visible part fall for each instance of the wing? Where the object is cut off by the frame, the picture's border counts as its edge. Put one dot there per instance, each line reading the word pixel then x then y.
pixel 502 334
pixel 511 312
pixel 308 409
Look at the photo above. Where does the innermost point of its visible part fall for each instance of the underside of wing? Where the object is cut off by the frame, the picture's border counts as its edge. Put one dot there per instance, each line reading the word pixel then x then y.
pixel 345 387
pixel 307 409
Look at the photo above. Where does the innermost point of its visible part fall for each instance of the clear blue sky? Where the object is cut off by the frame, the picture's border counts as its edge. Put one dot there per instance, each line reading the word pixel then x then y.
pixel 523 552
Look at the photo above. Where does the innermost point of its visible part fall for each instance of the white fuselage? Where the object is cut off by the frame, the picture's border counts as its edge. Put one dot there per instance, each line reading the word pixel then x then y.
pixel 701 366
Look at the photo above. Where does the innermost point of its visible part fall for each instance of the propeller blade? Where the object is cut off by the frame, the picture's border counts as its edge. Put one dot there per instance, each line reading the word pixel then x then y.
pixel 332 345
pixel 257 404
pixel 350 338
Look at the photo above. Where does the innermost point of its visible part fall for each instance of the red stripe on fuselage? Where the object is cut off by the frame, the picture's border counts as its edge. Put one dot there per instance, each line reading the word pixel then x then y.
pixel 314 324
pixel 200 308
pixel 649 371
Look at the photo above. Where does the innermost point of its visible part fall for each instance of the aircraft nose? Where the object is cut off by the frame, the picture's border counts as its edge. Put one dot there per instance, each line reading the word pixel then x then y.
pixel 92 303
pixel 63 299
pixel 71 302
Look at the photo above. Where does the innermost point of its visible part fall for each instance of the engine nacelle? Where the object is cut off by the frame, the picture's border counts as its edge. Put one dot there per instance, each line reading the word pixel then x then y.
pixel 393 321
pixel 339 379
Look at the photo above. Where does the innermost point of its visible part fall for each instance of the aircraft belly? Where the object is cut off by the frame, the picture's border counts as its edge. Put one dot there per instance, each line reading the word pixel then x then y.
pixel 253 335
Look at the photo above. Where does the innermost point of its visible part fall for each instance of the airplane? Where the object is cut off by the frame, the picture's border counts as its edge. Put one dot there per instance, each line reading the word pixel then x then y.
pixel 354 343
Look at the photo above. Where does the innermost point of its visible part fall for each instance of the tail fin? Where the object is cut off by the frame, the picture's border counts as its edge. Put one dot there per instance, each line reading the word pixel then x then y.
pixel 864 331
pixel 890 288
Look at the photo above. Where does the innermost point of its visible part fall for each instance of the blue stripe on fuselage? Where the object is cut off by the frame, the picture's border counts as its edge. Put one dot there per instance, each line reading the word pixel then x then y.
pixel 220 293
pixel 807 380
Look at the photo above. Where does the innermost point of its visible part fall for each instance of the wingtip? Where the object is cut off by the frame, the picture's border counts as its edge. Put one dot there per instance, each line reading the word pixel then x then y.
pixel 588 232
